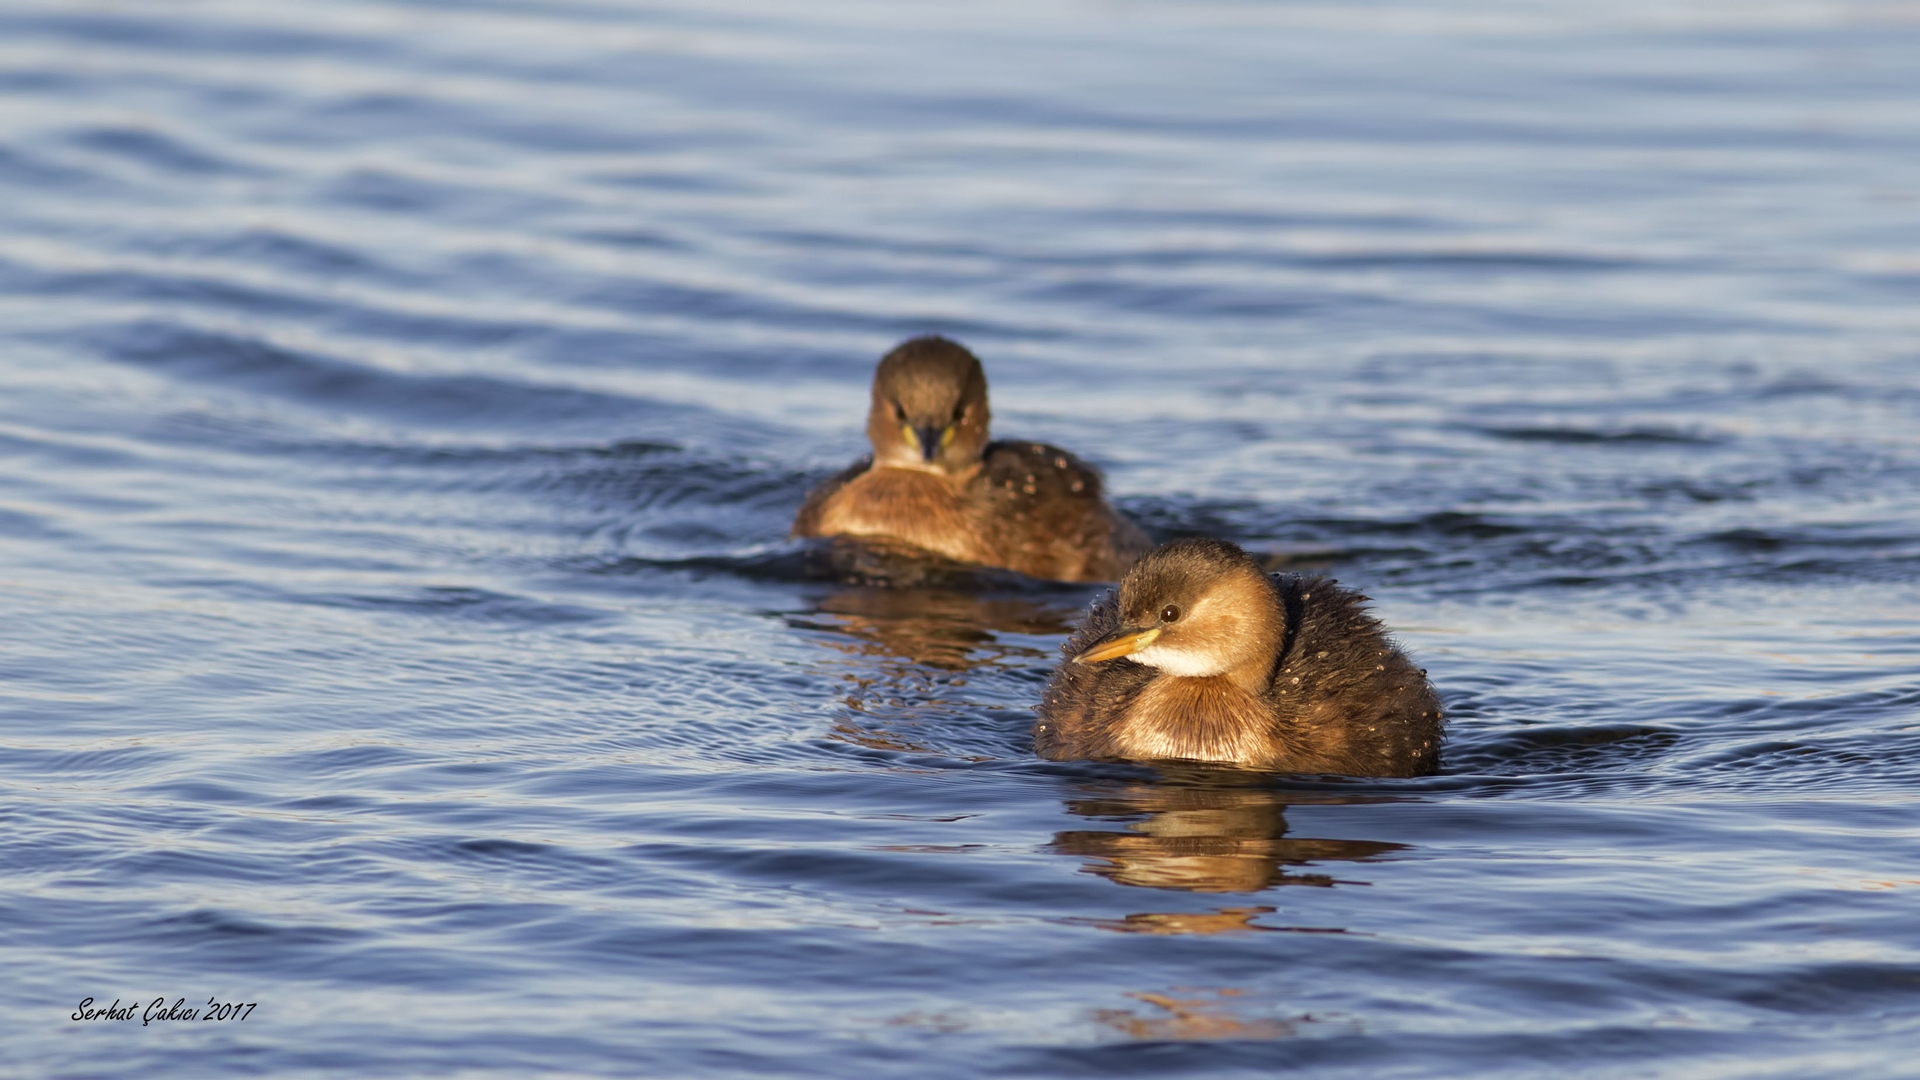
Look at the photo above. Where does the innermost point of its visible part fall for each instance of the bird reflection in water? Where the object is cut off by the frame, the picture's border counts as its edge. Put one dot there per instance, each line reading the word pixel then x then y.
pixel 1197 1016
pixel 907 650
pixel 1213 838
pixel 945 629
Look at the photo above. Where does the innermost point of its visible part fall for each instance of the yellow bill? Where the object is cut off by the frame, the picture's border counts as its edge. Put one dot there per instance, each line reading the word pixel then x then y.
pixel 1118 644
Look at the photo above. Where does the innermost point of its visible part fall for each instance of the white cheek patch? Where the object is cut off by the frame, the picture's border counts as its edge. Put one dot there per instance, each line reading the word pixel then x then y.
pixel 1188 665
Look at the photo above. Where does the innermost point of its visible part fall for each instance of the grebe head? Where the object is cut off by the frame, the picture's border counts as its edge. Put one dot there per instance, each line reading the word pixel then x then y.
pixel 1197 608
pixel 929 407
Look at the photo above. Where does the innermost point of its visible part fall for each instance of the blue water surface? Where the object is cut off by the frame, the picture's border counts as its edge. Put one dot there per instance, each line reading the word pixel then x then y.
pixel 403 403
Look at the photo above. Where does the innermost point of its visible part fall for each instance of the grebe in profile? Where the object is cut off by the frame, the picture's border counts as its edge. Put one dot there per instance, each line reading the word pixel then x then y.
pixel 1202 656
pixel 935 483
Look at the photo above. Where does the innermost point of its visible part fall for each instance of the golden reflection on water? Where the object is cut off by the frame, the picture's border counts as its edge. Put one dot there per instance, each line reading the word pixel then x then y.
pixel 1196 1015
pixel 945 629
pixel 1213 839
pixel 1233 920
pixel 906 649
pixel 1205 833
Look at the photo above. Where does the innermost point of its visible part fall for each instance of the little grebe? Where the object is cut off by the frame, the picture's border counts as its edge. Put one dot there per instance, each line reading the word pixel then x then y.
pixel 935 483
pixel 1203 656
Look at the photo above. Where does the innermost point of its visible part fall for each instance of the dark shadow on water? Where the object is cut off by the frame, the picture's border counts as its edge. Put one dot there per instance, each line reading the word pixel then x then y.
pixel 1573 435
pixel 875 562
pixel 859 563
pixel 1559 750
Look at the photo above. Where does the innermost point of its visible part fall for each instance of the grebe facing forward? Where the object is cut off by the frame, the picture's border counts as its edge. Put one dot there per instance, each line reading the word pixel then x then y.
pixel 935 483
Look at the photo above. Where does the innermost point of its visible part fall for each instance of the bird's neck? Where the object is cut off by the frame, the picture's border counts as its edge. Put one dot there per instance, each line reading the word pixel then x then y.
pixel 1253 674
pixel 1196 718
pixel 917 506
pixel 905 458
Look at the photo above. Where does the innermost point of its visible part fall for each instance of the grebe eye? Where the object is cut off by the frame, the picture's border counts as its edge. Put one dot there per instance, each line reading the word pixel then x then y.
pixel 1170 613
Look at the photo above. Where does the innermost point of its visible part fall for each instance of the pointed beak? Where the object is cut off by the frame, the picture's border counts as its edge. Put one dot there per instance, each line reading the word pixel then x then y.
pixel 930 441
pixel 1122 642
